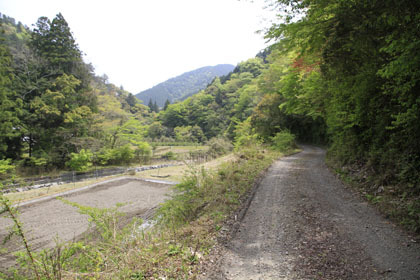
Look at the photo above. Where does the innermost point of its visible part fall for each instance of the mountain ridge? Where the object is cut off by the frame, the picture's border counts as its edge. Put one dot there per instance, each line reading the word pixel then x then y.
pixel 184 85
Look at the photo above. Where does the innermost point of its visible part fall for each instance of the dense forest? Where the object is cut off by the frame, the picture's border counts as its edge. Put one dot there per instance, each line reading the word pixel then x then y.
pixel 184 85
pixel 344 74
pixel 52 104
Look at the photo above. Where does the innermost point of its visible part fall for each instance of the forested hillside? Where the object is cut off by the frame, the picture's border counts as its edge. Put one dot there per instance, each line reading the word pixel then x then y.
pixel 341 74
pixel 184 85
pixel 53 106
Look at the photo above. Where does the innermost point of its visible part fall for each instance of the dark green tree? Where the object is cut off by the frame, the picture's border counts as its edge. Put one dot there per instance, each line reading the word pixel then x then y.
pixel 150 105
pixel 10 110
pixel 53 41
pixel 131 100
pixel 54 85
pixel 167 103
pixel 155 107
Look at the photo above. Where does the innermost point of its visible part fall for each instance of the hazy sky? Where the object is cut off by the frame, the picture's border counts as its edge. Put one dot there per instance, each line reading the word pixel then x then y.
pixel 140 43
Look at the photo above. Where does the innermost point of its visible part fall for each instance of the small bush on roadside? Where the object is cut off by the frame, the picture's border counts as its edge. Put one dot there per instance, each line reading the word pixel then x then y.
pixel 104 156
pixel 245 135
pixel 283 141
pixel 219 146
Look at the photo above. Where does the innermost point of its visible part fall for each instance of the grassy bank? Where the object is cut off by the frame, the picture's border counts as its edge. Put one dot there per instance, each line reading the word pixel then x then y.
pixel 184 233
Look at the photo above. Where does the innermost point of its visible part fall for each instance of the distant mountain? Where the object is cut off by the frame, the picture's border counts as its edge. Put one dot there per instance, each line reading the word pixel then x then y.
pixel 184 85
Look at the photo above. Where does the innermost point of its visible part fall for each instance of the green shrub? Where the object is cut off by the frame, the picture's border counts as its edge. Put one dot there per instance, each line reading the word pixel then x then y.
pixel 143 152
pixel 105 156
pixel 283 141
pixel 219 146
pixel 124 154
pixel 169 155
pixel 80 161
pixel 245 134
pixel 6 169
pixel 121 155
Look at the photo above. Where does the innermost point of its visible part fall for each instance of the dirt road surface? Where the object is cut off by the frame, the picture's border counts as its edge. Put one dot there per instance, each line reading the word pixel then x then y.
pixel 303 223
pixel 45 220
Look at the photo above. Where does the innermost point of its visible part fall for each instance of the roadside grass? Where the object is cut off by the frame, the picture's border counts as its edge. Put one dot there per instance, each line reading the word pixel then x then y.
pixel 184 232
pixel 176 173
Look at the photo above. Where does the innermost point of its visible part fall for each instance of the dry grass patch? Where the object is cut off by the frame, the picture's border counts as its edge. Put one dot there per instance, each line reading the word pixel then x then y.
pixel 176 173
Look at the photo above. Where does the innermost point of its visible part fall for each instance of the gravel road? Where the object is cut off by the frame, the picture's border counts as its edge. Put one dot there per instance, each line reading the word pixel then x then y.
pixel 303 223
pixel 44 220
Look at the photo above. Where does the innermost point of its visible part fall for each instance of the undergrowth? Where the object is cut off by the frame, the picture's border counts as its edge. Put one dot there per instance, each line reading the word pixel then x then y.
pixel 184 231
pixel 400 202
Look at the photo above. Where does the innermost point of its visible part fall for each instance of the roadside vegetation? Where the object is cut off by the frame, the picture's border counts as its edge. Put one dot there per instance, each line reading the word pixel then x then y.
pixel 184 228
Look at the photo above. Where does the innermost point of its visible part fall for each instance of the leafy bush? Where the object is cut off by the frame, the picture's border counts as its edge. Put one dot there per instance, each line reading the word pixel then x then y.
pixel 245 134
pixel 283 141
pixel 6 169
pixel 219 146
pixel 143 152
pixel 104 156
pixel 80 161
pixel 121 155
pixel 169 155
pixel 124 154
pixel 37 163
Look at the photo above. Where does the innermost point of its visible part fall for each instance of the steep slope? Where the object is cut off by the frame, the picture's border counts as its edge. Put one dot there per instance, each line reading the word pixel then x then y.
pixel 184 85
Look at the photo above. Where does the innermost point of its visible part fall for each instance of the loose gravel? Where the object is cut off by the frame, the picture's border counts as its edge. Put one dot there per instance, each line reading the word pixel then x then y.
pixel 303 223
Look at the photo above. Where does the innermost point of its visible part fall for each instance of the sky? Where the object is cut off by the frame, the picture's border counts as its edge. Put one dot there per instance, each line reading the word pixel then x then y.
pixel 140 43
